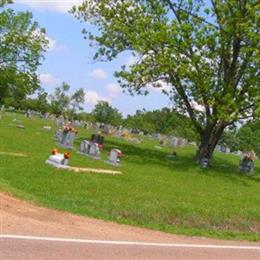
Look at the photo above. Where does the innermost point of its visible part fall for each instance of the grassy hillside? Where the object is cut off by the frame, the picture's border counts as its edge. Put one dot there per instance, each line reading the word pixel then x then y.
pixel 169 195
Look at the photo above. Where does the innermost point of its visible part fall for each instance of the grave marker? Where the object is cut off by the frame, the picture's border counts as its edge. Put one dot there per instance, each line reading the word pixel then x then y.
pixel 114 157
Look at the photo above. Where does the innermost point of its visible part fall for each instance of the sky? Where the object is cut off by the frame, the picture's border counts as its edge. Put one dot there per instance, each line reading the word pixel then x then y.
pixel 70 59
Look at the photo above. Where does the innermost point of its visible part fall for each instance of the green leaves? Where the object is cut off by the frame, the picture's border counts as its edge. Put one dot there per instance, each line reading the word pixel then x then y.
pixel 208 53
pixel 22 43
pixel 104 113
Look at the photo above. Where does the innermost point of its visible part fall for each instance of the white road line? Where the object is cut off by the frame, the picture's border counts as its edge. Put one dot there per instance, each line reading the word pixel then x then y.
pixel 129 243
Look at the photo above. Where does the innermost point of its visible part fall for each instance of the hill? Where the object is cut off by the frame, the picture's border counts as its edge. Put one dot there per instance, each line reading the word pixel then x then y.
pixel 172 195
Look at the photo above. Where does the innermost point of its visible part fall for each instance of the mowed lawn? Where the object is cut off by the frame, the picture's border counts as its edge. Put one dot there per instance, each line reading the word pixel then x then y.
pixel 170 195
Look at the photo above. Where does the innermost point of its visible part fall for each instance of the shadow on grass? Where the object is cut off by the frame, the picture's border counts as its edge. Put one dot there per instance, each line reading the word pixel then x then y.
pixel 221 168
pixel 148 156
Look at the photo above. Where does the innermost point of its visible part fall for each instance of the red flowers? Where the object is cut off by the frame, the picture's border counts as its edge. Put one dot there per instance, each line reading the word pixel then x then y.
pixel 54 151
pixel 67 155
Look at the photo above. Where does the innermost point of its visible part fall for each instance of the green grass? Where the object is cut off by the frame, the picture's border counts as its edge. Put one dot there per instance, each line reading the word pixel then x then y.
pixel 174 196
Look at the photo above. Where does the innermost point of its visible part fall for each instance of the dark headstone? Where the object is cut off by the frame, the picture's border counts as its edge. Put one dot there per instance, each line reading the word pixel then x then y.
pixel 99 139
pixel 246 166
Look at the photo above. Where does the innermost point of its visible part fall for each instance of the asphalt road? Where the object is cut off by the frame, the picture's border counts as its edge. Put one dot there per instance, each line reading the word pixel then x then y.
pixel 30 249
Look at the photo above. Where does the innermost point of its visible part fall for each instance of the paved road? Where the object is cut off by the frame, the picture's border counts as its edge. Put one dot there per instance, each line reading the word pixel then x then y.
pixel 34 248
pixel 31 232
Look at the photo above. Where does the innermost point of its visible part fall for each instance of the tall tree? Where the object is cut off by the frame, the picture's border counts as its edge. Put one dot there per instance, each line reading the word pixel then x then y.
pixel 22 43
pixel 60 100
pixel 207 51
pixel 77 99
pixel 104 113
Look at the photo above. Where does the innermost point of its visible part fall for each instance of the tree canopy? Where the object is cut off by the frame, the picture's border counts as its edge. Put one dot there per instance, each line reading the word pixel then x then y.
pixel 105 113
pixel 164 121
pixel 206 51
pixel 22 43
pixel 63 103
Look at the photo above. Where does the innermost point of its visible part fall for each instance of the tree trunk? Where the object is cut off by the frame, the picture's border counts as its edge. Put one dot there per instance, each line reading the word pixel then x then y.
pixel 208 141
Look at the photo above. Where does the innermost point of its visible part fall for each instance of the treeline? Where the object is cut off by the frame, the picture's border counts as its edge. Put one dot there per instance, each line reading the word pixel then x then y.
pixel 61 102
pixel 244 138
pixel 164 121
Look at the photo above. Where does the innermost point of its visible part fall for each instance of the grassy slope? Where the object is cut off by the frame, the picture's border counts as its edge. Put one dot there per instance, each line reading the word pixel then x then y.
pixel 169 195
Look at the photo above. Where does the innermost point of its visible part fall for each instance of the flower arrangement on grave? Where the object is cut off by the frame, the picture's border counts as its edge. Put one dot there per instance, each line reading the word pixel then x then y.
pixel 54 151
pixel 119 153
pixel 247 163
pixel 67 155
pixel 249 156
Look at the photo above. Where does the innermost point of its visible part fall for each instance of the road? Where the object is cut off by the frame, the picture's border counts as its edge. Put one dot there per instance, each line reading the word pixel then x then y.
pixel 31 232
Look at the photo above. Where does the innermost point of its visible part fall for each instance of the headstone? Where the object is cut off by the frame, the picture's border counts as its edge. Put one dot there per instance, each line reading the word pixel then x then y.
pixel 48 128
pixel 218 148
pixel 28 113
pixel 99 139
pixel 118 134
pixel 59 135
pixel 246 166
pixel 182 141
pixel 134 140
pixel 114 157
pixel 223 149
pixel 68 139
pixel 174 142
pixel 60 121
pixel 20 126
pixel 90 149
pixel 58 160
pixel 107 129
pixel 204 162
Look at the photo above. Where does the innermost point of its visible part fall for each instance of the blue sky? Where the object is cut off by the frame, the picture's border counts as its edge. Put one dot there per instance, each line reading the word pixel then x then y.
pixel 69 59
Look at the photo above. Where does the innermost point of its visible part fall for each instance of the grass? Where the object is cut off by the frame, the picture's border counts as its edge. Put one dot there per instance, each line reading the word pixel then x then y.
pixel 174 195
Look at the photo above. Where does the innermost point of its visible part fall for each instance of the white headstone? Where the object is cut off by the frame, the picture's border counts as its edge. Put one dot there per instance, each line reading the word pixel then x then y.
pixel 114 157
pixel 58 161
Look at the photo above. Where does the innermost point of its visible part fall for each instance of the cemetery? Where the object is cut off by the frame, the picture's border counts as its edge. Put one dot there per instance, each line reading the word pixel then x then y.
pixel 140 113
pixel 107 176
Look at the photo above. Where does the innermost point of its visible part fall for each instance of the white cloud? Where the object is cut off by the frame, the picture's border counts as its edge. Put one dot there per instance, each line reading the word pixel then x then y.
pixel 49 79
pixel 55 46
pixel 50 5
pixel 52 44
pixel 113 89
pixel 98 74
pixel 92 97
pixel 163 87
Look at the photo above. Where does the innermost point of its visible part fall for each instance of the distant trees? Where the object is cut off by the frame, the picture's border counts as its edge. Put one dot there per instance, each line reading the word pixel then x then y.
pixel 40 103
pixel 22 43
pixel 105 113
pixel 249 136
pixel 245 138
pixel 163 121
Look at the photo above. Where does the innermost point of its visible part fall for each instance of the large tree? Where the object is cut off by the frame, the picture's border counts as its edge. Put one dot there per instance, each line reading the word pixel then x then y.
pixel 22 43
pixel 62 103
pixel 207 51
pixel 105 113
